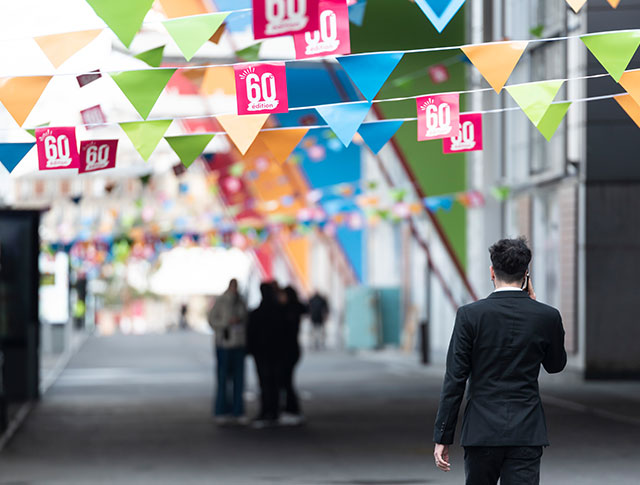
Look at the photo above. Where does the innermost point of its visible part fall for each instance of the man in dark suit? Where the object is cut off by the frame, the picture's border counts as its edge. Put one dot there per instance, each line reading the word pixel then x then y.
pixel 498 344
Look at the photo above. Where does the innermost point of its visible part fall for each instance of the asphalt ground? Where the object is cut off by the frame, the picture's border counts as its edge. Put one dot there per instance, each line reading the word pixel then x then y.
pixel 137 410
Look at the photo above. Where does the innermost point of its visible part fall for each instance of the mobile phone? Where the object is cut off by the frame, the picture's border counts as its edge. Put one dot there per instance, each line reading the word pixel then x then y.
pixel 525 286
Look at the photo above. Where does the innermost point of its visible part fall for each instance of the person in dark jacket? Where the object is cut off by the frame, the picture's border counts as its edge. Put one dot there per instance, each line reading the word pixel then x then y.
pixel 498 345
pixel 318 311
pixel 264 334
pixel 293 311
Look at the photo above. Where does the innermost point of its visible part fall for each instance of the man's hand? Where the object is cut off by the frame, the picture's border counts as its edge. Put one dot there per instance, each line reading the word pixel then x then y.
pixel 441 454
pixel 532 294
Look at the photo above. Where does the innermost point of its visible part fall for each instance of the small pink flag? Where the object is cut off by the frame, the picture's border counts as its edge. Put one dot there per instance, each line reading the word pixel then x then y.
pixel 333 35
pixel 438 116
pixel 57 148
pixel 438 73
pixel 261 88
pixel 469 138
pixel 97 155
pixel 273 18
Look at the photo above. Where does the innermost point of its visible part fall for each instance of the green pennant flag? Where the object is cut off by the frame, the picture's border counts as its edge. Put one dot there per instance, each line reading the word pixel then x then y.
pixel 249 54
pixel 500 193
pixel 143 88
pixel 32 131
pixel 124 17
pixel 188 147
pixel 552 118
pixel 237 169
pixel 535 98
pixel 191 33
pixel 153 57
pixel 614 51
pixel 145 135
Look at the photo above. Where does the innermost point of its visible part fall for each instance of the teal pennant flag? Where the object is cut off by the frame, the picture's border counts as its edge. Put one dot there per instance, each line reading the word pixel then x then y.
pixel 344 119
pixel 370 71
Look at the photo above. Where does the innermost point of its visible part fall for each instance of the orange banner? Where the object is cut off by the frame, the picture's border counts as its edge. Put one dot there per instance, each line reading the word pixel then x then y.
pixel 576 5
pixel 495 61
pixel 282 142
pixel 20 94
pixel 242 130
pixel 630 106
pixel 60 47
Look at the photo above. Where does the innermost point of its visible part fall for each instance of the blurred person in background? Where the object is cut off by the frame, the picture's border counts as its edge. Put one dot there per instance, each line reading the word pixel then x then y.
pixel 182 321
pixel 265 338
pixel 228 319
pixel 293 311
pixel 318 311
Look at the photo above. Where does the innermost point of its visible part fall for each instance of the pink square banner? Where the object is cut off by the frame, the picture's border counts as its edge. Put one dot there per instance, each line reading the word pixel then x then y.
pixel 333 35
pixel 97 155
pixel 57 148
pixel 273 18
pixel 438 116
pixel 261 88
pixel 469 138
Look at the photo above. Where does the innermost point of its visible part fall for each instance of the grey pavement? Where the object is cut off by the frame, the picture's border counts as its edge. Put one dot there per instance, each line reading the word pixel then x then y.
pixel 136 410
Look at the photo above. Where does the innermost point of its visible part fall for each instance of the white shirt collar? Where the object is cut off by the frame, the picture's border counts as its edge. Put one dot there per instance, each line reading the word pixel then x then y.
pixel 507 288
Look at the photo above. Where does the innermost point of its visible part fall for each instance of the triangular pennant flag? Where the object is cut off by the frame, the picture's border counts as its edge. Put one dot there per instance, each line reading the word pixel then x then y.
pixel 614 3
pixel 188 147
pixel 249 54
pixel 184 8
pixel 369 71
pixel 20 94
pixel 32 131
pixel 124 17
pixel 344 119
pixel 242 129
pixel 356 13
pixel 145 135
pixel 215 38
pixel 535 98
pixel 282 142
pixel 60 47
pixel 552 118
pixel 440 12
pixel 576 5
pixel 143 88
pixel 632 108
pixel 614 51
pixel 191 33
pixel 630 81
pixel 11 154
pixel 495 61
pixel 376 135
pixel 153 57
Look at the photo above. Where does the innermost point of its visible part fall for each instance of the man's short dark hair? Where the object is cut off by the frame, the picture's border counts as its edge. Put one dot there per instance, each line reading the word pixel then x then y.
pixel 510 259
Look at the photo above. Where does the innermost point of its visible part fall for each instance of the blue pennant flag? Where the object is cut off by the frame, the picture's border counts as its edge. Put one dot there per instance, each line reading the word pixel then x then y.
pixel 377 134
pixel 11 154
pixel 344 119
pixel 438 202
pixel 440 12
pixel 356 13
pixel 369 71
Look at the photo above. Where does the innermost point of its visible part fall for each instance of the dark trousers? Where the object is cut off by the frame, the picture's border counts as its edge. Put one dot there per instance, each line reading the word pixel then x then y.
pixel 269 374
pixel 513 465
pixel 230 382
pixel 291 401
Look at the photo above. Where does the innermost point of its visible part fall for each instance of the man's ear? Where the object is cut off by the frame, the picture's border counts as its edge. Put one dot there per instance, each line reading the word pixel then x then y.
pixel 493 274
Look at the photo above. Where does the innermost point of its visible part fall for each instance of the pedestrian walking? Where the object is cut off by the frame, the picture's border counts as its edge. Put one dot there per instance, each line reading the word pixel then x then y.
pixel 294 309
pixel 498 344
pixel 318 312
pixel 228 319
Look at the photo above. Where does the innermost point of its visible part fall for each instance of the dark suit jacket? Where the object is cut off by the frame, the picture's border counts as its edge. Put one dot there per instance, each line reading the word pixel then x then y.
pixel 498 344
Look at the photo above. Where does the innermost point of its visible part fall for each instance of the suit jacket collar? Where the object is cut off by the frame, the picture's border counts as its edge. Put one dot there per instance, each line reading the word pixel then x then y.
pixel 509 294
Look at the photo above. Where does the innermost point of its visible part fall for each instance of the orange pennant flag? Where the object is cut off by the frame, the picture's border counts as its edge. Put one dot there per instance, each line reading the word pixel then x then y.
pixel 20 94
pixel 630 81
pixel 630 106
pixel 60 47
pixel 576 5
pixel 242 129
pixel 183 8
pixel 219 78
pixel 215 38
pixel 196 76
pixel 614 3
pixel 496 61
pixel 282 142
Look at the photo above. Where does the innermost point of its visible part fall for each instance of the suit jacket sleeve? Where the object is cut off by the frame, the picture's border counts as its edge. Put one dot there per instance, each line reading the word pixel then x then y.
pixel 455 379
pixel 556 357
